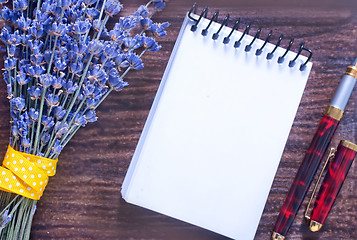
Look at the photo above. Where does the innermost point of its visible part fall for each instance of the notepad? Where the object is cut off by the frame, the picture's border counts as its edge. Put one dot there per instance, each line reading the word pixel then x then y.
pixel 216 131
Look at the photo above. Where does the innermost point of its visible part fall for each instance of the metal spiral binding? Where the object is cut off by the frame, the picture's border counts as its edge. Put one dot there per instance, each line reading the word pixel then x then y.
pixel 246 31
pixel 260 50
pixel 224 23
pixel 271 54
pixel 235 27
pixel 248 47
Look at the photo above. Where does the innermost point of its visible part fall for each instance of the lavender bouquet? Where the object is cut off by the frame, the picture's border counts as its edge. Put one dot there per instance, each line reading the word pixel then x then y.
pixel 61 62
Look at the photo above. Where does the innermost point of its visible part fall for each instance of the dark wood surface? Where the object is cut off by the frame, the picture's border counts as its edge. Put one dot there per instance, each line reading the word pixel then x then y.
pixel 83 200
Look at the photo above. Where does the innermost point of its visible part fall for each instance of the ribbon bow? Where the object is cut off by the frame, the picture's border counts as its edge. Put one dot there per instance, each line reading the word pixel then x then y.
pixel 26 174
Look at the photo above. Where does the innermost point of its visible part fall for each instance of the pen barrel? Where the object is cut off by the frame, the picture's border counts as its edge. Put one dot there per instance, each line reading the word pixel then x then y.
pixel 305 174
pixel 332 183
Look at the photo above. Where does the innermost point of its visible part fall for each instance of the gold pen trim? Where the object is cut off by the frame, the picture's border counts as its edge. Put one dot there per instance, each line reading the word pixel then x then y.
pixel 315 226
pixel 352 71
pixel 334 112
pixel 349 145
pixel 277 236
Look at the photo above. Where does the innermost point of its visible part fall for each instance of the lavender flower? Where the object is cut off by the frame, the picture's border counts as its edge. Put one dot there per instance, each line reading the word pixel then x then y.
pixel 91 102
pixel 121 61
pixel 95 47
pixel 5 35
pixel 61 129
pixel 142 11
pixel 8 14
pixel 110 50
pixel 19 103
pixel 64 4
pixel 97 75
pixel 113 7
pixel 151 45
pixel 118 34
pixel 37 57
pixel 76 67
pixel 70 87
pixel 81 27
pixel 47 122
pixel 146 23
pixel 90 116
pixel 36 30
pixel 60 64
pixel 159 4
pixel 58 29
pixel 20 5
pixel 15 38
pixel 52 100
pixel 57 148
pixel 4 219
pixel 36 70
pixel 10 63
pixel 45 137
pixel 35 92
pixel 25 142
pixel 134 61
pixel 90 2
pixel 159 29
pixel 115 80
pixel 92 14
pixel 23 23
pixel 134 43
pixel 59 112
pixel 15 132
pixel 128 22
pixel 46 80
pixel 56 83
pixel 33 114
pixel 22 79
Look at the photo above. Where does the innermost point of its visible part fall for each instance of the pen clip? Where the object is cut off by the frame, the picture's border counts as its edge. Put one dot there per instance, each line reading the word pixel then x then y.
pixel 331 155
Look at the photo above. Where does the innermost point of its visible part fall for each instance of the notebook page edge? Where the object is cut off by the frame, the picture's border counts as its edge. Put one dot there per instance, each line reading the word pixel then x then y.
pixel 125 189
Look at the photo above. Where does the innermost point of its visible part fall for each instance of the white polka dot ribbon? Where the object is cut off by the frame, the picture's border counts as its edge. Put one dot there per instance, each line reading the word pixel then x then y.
pixel 26 174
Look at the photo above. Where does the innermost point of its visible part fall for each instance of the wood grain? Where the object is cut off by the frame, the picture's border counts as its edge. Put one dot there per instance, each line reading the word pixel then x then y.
pixel 83 200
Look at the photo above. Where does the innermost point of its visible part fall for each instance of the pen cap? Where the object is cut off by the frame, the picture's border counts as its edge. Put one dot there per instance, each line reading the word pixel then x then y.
pixel 332 183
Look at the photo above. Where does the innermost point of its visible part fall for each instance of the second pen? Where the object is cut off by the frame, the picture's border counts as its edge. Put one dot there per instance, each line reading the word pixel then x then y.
pixel 315 153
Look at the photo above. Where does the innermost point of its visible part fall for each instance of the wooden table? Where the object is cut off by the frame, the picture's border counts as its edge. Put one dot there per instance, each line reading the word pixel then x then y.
pixel 83 200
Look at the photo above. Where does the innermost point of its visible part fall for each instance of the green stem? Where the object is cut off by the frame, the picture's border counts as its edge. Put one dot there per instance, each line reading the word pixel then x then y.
pixel 104 97
pixel 76 127
pixel 70 123
pixel 39 121
pixel 102 10
pixel 44 90
pixel 104 22
pixel 147 5
pixel 73 99
pixel 8 205
pixel 84 13
pixel 33 127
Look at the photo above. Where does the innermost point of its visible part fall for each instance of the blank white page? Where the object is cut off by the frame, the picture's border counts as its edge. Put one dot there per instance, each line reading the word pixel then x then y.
pixel 216 132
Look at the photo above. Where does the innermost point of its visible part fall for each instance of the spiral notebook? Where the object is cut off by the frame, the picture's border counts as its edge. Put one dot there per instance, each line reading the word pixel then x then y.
pixel 216 131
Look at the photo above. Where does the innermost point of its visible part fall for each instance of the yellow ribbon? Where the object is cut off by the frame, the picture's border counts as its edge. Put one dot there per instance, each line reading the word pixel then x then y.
pixel 25 174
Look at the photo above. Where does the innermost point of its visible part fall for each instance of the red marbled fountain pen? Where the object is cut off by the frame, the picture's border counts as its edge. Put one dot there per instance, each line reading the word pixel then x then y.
pixel 332 183
pixel 315 153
